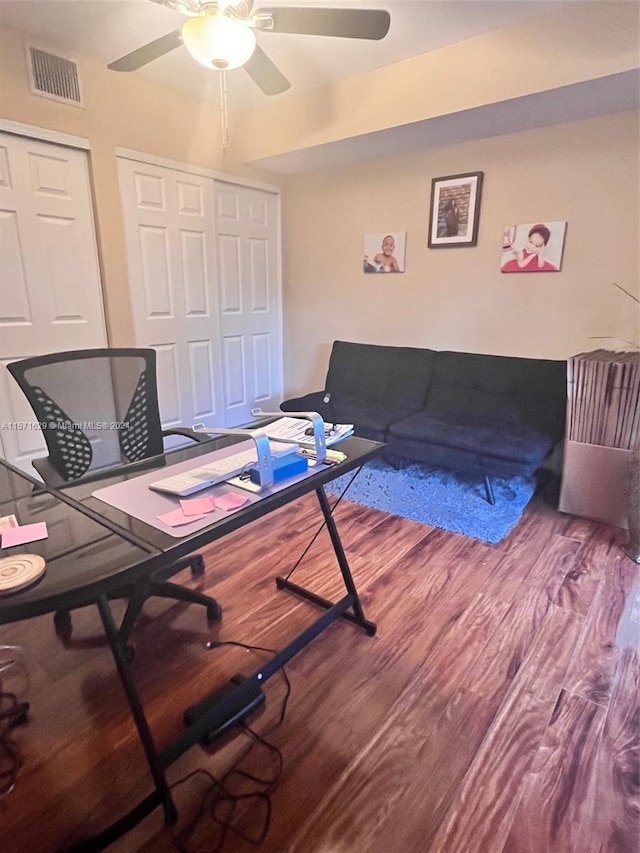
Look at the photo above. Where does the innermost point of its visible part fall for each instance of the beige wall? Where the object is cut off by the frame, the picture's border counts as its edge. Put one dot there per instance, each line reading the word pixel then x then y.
pixel 580 42
pixel 122 110
pixel 586 173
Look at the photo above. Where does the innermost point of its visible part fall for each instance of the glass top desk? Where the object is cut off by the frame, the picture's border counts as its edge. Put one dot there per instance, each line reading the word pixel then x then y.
pixel 109 548
pixel 84 556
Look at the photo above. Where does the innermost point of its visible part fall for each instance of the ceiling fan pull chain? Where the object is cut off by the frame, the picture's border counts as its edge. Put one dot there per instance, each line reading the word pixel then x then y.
pixel 224 112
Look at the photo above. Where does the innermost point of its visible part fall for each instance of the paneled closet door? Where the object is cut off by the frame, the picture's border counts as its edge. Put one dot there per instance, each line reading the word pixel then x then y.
pixel 171 255
pixel 205 291
pixel 250 295
pixel 50 293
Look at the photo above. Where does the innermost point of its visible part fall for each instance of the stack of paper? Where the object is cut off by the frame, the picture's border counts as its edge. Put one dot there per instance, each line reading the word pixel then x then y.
pixel 295 430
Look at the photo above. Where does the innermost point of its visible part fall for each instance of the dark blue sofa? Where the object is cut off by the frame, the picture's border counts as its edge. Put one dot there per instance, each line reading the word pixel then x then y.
pixel 486 414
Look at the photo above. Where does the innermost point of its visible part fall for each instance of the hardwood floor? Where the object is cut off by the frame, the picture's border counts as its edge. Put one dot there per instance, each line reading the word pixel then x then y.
pixel 495 711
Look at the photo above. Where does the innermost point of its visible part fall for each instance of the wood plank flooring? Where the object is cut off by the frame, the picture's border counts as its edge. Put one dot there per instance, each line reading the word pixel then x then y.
pixel 495 711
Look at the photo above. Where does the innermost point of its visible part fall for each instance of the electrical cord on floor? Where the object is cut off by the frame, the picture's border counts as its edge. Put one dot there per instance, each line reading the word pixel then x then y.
pixel 12 713
pixel 323 525
pixel 218 793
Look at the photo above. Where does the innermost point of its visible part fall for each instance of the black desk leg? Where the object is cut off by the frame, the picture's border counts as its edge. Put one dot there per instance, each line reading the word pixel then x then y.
pixel 357 617
pixel 161 796
pixel 144 732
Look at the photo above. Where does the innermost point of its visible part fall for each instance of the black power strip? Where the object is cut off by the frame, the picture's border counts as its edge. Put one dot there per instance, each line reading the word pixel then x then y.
pixel 245 706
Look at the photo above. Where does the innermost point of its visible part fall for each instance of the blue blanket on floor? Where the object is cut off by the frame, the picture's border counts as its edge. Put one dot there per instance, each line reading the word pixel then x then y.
pixel 442 498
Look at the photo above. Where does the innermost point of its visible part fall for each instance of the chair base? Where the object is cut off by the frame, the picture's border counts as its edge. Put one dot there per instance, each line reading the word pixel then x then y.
pixel 158 586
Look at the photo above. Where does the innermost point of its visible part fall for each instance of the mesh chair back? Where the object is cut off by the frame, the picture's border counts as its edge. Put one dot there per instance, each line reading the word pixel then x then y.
pixel 97 408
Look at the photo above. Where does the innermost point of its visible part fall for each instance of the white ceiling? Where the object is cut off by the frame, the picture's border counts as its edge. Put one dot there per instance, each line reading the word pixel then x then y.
pixel 108 29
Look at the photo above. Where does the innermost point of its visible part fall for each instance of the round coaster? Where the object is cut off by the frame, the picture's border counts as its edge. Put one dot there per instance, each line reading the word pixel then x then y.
pixel 20 571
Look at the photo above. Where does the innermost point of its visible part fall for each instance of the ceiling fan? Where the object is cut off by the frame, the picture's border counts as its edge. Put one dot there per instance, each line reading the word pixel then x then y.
pixel 221 35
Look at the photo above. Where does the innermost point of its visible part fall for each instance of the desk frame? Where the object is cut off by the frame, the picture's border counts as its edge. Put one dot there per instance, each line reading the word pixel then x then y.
pixel 348 608
pixel 97 592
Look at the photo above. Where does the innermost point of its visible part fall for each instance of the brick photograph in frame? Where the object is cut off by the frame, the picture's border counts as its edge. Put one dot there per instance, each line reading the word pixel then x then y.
pixel 455 210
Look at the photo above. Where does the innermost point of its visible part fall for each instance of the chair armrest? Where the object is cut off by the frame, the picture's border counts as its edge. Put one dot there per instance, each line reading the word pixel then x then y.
pixel 186 432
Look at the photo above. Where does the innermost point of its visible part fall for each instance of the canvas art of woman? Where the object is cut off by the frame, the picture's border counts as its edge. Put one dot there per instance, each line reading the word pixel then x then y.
pixel 533 255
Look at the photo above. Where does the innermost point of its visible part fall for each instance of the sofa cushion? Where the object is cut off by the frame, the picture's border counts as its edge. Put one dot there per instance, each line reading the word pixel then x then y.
pixel 489 437
pixel 461 460
pixel 502 388
pixel 371 421
pixel 394 377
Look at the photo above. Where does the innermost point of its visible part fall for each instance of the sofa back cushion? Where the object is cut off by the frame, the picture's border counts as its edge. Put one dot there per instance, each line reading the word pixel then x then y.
pixel 517 390
pixel 396 377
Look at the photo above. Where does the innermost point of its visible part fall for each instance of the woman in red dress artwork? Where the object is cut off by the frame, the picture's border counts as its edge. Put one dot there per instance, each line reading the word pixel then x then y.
pixel 530 258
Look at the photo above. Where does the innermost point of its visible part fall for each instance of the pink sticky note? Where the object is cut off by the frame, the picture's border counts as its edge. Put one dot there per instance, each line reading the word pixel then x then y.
pixel 198 506
pixel 25 533
pixel 231 501
pixel 176 517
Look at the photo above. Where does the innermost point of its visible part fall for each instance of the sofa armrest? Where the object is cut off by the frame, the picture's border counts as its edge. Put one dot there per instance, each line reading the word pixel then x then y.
pixel 313 402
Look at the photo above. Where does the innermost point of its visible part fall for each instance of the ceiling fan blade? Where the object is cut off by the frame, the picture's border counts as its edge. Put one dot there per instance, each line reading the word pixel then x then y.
pixel 267 75
pixel 343 23
pixel 143 55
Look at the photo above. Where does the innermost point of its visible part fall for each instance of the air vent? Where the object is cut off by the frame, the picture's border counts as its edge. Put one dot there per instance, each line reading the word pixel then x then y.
pixel 53 76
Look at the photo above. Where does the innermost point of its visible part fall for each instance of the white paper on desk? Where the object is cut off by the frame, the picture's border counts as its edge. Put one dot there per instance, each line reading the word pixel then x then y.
pixel 293 430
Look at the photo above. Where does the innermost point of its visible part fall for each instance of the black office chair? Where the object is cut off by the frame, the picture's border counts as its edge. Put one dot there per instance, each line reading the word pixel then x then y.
pixel 74 396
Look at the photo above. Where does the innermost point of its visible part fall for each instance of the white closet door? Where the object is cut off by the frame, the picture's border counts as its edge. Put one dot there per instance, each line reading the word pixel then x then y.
pixel 205 291
pixel 170 244
pixel 248 241
pixel 50 293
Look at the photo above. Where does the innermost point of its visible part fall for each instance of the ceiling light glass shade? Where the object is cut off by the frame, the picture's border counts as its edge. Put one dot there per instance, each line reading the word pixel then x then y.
pixel 218 42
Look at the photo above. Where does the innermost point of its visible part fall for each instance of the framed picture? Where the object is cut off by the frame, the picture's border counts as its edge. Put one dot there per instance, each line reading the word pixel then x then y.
pixel 384 252
pixel 533 247
pixel 455 210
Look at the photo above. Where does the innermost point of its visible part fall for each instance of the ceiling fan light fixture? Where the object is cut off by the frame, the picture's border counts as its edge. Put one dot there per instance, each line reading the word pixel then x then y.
pixel 217 41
